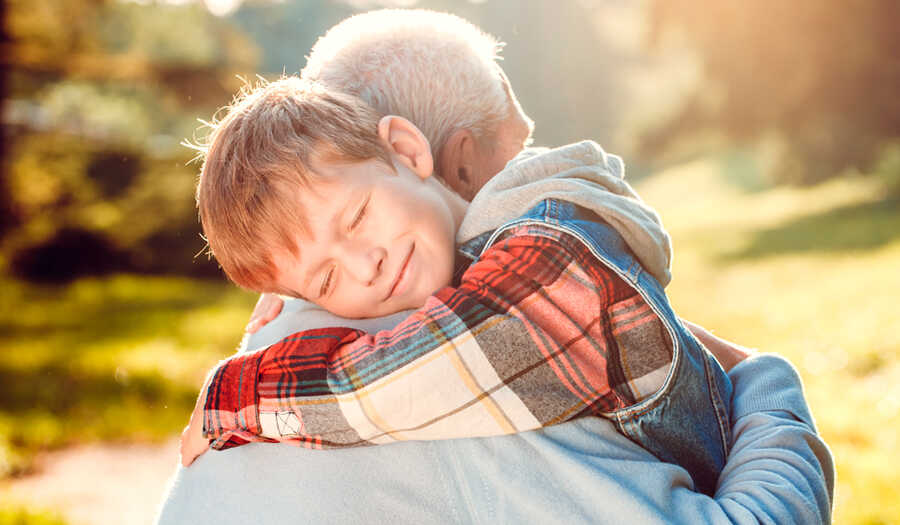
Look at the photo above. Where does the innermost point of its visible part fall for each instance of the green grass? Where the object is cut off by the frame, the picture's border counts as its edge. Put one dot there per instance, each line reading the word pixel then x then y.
pixel 811 274
pixel 109 359
pixel 21 516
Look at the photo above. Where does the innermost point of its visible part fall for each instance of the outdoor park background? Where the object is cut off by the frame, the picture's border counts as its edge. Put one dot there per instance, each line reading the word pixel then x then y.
pixel 766 133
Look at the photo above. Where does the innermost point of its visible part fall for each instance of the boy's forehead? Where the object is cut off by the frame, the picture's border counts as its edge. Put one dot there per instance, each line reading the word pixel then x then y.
pixel 330 184
pixel 317 200
pixel 325 188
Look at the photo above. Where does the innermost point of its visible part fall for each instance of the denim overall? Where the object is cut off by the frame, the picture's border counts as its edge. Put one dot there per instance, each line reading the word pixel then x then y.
pixel 687 421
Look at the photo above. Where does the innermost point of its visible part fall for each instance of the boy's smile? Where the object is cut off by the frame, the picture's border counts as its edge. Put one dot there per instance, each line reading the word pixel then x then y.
pixel 376 243
pixel 401 281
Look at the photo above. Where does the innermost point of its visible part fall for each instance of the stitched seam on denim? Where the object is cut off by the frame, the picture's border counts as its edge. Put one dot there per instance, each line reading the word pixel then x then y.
pixel 624 426
pixel 717 404
pixel 552 211
pixel 635 269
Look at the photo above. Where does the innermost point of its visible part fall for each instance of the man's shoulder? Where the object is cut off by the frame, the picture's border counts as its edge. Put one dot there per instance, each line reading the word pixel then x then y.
pixel 536 222
pixel 558 220
pixel 563 223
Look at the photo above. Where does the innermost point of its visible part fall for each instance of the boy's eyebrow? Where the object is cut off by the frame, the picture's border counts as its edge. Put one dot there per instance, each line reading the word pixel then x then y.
pixel 337 214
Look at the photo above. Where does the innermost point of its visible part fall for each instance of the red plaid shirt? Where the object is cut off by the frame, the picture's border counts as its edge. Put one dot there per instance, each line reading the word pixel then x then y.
pixel 538 332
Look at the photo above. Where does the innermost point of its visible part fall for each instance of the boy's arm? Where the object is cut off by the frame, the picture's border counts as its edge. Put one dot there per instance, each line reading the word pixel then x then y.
pixel 523 342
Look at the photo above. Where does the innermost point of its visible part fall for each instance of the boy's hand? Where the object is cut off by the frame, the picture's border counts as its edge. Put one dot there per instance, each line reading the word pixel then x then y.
pixel 193 444
pixel 727 353
pixel 267 308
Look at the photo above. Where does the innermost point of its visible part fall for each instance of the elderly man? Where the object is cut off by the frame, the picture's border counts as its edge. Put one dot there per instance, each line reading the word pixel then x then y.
pixel 440 72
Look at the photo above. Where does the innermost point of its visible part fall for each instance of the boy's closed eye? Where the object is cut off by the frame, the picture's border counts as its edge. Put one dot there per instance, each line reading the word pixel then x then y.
pixel 327 282
pixel 329 278
pixel 360 213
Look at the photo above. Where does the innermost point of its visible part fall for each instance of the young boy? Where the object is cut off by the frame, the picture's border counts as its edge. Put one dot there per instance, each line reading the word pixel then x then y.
pixel 307 193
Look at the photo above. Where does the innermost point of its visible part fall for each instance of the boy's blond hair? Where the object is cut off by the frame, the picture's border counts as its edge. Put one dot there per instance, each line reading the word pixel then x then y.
pixel 437 70
pixel 257 158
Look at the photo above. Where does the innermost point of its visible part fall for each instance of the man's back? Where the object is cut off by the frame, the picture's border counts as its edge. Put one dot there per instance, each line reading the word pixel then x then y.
pixel 577 472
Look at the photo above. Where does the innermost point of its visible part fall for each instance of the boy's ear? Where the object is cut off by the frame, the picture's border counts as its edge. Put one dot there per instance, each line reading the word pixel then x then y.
pixel 408 144
pixel 458 161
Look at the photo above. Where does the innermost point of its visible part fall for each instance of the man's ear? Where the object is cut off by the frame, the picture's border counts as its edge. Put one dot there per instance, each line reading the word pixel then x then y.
pixel 408 144
pixel 458 160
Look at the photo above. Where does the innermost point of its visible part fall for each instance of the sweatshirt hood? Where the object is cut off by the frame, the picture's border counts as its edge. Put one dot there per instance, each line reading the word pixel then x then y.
pixel 582 174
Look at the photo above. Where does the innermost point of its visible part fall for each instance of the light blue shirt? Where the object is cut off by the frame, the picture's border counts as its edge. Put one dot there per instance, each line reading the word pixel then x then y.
pixel 778 471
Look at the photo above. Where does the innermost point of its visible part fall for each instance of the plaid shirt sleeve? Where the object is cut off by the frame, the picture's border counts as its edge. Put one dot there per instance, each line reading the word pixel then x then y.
pixel 537 333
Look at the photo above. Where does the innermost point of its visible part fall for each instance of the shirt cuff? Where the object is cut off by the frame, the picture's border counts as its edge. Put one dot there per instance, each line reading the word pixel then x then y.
pixel 766 382
pixel 232 401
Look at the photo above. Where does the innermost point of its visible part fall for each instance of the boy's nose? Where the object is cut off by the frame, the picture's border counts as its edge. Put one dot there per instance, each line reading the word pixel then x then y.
pixel 364 263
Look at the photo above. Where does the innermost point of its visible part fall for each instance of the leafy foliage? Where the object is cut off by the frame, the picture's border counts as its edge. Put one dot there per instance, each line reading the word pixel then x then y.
pixel 99 95
pixel 820 77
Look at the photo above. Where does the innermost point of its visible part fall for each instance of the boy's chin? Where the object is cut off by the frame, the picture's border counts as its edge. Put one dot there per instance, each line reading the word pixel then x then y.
pixel 403 307
pixel 374 313
pixel 390 308
pixel 412 303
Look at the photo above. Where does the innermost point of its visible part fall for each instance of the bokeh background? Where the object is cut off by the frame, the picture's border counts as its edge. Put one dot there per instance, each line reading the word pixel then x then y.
pixel 766 133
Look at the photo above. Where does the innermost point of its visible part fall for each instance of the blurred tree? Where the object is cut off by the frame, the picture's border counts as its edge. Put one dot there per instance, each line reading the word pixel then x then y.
pixel 820 77
pixel 286 31
pixel 100 93
pixel 8 217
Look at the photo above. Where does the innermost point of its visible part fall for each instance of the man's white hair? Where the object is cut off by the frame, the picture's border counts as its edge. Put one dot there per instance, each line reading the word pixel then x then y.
pixel 435 69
